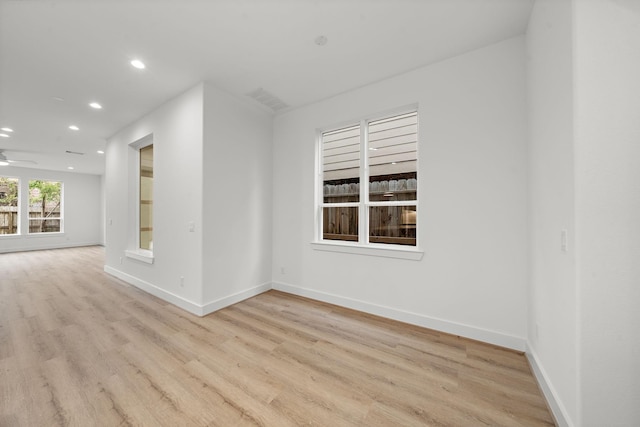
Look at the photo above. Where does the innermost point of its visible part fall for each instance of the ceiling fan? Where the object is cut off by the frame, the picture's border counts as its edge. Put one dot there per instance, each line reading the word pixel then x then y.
pixel 9 160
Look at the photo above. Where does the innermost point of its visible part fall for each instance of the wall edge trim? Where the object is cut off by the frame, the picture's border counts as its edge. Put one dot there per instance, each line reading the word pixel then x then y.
pixel 169 297
pixel 466 331
pixel 228 300
pixel 47 247
pixel 556 407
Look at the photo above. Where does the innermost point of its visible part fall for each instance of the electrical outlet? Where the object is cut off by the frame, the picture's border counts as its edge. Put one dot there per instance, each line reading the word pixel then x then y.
pixel 182 281
pixel 281 270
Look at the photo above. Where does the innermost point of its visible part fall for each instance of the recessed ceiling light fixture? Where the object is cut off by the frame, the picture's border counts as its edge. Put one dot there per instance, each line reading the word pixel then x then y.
pixel 4 135
pixel 321 40
pixel 70 167
pixel 138 64
pixel 100 152
pixel 7 129
pixel 3 163
pixel 74 127
pixel 95 105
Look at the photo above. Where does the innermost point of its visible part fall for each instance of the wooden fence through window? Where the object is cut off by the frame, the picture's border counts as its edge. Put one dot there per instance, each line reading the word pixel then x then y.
pixel 9 221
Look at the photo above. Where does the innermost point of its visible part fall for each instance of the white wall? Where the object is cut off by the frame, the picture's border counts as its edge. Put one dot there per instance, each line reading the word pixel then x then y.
pixel 472 279
pixel 236 200
pixel 552 332
pixel 177 129
pixel 82 211
pixel 608 209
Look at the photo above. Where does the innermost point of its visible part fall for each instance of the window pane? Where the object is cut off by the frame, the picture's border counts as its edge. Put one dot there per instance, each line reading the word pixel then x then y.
pixel 146 197
pixel 393 156
pixel 45 203
pixel 39 225
pixel 340 223
pixel 393 225
pixel 9 205
pixel 341 165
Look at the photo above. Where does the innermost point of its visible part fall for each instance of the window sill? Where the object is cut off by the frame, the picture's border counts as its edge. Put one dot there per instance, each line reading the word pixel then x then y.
pixel 140 255
pixel 386 251
pixel 11 236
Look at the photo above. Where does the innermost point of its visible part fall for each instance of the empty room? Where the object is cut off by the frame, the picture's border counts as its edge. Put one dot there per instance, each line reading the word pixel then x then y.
pixel 329 213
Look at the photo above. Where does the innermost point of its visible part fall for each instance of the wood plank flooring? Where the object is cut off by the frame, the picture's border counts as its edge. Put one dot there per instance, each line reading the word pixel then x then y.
pixel 81 348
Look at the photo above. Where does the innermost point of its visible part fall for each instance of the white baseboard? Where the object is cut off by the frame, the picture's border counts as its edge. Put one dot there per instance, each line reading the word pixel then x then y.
pixel 44 247
pixel 555 404
pixel 218 304
pixel 467 331
pixel 183 303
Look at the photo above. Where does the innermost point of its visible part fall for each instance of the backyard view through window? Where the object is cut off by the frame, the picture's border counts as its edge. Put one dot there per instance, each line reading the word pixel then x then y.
pixel 381 153
pixel 45 206
pixel 9 205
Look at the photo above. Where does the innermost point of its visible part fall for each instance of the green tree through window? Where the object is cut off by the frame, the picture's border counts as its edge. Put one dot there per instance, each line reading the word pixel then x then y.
pixel 44 197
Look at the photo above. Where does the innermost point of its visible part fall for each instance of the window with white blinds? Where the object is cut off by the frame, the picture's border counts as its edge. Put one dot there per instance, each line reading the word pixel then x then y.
pixel 369 177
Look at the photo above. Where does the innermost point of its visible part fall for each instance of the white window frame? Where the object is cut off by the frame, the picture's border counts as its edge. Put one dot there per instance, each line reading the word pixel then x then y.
pixel 137 253
pixel 363 246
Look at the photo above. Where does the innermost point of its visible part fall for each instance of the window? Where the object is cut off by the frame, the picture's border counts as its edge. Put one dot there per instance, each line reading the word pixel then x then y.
pixel 146 198
pixel 45 206
pixel 141 171
pixel 382 153
pixel 9 205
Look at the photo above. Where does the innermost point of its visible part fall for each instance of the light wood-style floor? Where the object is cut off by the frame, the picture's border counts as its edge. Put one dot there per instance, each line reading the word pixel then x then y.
pixel 81 348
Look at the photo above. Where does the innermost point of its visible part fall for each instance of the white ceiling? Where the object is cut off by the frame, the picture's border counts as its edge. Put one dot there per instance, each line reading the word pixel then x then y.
pixel 79 50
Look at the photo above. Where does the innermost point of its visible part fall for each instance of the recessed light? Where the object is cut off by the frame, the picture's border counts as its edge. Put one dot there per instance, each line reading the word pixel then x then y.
pixel 394 163
pixel 373 149
pixel 7 129
pixel 4 135
pixel 74 127
pixel 100 152
pixel 138 64
pixel 57 98
pixel 95 105
pixel 3 163
pixel 70 167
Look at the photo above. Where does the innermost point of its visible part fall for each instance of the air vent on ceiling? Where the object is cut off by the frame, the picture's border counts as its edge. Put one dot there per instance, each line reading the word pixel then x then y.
pixel 265 98
pixel 74 152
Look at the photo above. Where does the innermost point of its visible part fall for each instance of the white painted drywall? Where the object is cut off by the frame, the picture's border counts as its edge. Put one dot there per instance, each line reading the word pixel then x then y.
pixel 552 332
pixel 472 190
pixel 607 171
pixel 236 199
pixel 82 211
pixel 177 129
